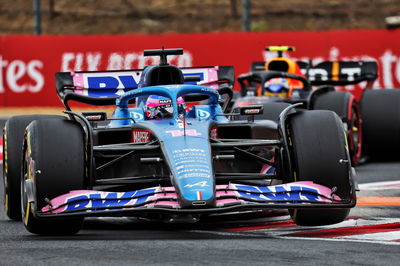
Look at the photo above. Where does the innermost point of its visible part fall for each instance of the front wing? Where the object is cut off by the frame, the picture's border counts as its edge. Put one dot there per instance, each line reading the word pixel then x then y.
pixel 165 199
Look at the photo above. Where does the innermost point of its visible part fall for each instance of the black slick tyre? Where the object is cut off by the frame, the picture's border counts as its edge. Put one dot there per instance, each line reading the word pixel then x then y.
pixel 380 111
pixel 346 107
pixel 14 130
pixel 53 164
pixel 319 154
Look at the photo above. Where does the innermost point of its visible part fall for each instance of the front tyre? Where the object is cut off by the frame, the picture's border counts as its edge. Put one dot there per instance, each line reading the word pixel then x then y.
pixel 13 136
pixel 319 154
pixel 53 164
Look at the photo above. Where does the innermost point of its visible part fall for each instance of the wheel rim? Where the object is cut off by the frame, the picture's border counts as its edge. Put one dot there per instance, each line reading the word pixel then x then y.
pixel 5 177
pixel 26 185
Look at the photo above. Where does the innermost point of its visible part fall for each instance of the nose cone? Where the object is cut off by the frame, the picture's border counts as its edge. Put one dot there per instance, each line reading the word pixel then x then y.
pixel 193 174
pixel 189 157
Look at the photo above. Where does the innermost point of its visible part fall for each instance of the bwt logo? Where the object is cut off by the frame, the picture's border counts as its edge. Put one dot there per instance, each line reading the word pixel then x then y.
pixel 278 193
pixel 113 81
pixel 111 199
pixel 20 76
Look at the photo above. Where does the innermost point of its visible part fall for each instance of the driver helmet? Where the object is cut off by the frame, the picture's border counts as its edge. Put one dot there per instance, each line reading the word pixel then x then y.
pixel 278 87
pixel 159 107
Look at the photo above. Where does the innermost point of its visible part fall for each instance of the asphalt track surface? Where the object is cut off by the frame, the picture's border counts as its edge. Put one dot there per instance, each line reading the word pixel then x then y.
pixel 371 236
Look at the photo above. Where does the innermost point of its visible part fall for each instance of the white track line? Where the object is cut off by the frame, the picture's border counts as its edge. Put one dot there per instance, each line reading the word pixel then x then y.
pixel 386 238
pixel 382 236
pixel 340 240
pixel 1 149
pixel 388 185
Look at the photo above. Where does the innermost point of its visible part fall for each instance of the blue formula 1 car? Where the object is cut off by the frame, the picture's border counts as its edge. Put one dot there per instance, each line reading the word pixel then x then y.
pixel 161 159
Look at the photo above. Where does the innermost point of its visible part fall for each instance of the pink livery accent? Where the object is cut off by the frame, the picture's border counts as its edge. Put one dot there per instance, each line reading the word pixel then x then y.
pixel 212 80
pixel 78 79
pixel 85 200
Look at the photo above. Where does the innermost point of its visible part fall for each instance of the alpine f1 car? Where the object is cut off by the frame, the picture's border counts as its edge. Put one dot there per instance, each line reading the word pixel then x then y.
pixel 159 159
pixel 284 80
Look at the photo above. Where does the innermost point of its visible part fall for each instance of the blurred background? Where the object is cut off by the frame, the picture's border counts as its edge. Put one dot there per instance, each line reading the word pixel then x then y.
pixel 41 37
pixel 192 16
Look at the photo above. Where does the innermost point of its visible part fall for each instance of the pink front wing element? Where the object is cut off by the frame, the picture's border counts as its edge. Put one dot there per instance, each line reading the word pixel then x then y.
pixel 327 192
pixel 64 198
pixel 167 196
pixel 160 194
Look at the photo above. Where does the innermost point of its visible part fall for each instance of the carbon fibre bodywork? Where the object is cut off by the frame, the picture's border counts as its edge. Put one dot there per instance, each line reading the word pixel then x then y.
pixel 201 162
pixel 196 162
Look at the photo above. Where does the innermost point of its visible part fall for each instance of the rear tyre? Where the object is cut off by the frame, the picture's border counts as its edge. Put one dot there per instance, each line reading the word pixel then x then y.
pixel 14 130
pixel 380 111
pixel 53 164
pixel 318 144
pixel 346 107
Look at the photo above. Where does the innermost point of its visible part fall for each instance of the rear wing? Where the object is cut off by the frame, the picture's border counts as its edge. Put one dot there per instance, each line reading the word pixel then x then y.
pixel 104 87
pixel 340 72
pixel 333 72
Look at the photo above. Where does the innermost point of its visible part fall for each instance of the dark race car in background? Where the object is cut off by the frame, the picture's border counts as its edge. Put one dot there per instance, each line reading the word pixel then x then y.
pixel 318 88
pixel 193 164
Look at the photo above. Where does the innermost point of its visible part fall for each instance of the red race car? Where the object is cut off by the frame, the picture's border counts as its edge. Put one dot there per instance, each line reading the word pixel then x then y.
pixel 316 87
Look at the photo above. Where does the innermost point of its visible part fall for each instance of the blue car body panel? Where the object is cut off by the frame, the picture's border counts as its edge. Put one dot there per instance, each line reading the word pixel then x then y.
pixel 184 140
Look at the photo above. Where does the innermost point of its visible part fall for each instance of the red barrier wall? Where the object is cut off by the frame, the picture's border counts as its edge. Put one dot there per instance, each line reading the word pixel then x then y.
pixel 28 63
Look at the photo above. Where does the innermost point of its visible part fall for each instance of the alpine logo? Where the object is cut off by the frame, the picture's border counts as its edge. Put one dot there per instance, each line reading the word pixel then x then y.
pixel 136 116
pixel 203 114
pixel 198 184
